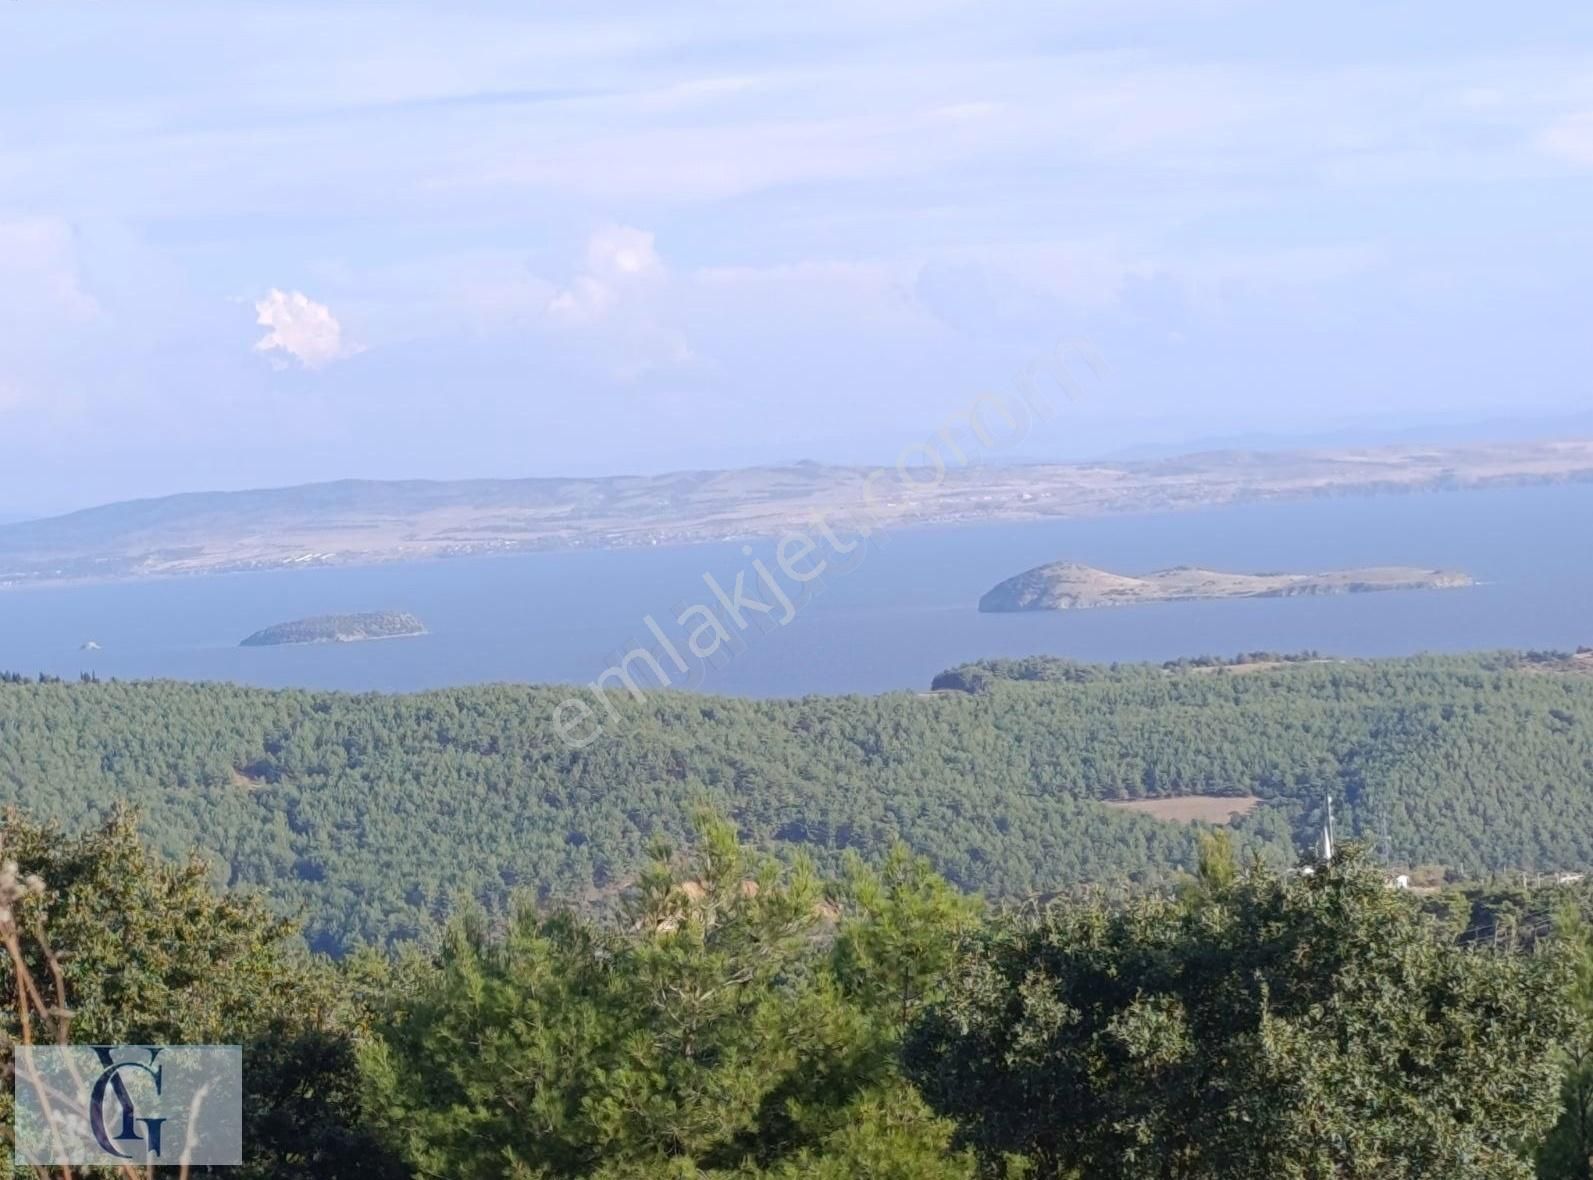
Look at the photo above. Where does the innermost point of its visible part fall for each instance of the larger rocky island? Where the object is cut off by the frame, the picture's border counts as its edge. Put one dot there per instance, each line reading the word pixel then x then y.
pixel 382 624
pixel 1066 585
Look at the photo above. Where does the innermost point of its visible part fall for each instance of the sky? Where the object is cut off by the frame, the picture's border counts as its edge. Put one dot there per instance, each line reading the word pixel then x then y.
pixel 253 244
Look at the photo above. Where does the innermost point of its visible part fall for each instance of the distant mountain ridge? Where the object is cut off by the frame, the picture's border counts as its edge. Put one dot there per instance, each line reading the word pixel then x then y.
pixel 366 521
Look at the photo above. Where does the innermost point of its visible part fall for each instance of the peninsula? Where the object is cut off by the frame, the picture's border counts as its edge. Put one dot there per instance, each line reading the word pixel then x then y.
pixel 356 522
pixel 1066 585
pixel 386 624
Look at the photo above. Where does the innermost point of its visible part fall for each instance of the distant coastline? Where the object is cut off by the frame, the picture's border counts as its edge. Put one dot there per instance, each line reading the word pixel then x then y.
pixel 356 523
pixel 1065 585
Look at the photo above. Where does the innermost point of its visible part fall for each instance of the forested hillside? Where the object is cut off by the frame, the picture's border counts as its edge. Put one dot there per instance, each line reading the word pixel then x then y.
pixel 373 815
pixel 742 1019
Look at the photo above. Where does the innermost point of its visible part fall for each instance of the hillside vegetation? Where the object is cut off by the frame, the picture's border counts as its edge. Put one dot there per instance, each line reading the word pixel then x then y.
pixel 373 815
pixel 1067 585
pixel 386 624
pixel 740 1019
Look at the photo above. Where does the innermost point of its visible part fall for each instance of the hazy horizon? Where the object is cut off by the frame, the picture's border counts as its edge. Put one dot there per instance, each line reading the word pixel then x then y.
pixel 1349 437
pixel 264 245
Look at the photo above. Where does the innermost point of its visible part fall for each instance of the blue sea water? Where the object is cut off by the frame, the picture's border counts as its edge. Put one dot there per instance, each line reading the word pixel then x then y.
pixel 905 612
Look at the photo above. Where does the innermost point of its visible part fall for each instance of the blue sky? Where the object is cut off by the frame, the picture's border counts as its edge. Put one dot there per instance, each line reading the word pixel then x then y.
pixel 246 244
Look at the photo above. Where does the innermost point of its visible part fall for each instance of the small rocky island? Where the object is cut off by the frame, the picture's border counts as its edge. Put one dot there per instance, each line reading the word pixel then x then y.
pixel 1066 585
pixel 382 624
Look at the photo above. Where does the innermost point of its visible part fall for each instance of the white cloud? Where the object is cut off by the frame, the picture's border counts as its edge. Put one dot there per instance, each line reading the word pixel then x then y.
pixel 1570 139
pixel 39 265
pixel 617 299
pixel 302 328
pixel 50 325
pixel 619 260
pixel 623 252
pixel 11 394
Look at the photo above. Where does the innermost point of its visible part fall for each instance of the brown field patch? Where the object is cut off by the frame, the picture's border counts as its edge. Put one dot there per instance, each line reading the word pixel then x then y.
pixel 249 782
pixel 1187 809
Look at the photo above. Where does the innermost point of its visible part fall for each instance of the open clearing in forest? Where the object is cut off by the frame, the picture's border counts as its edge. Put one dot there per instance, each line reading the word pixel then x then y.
pixel 1186 809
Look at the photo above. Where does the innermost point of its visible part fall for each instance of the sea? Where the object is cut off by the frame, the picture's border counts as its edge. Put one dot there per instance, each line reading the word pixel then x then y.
pixel 887 616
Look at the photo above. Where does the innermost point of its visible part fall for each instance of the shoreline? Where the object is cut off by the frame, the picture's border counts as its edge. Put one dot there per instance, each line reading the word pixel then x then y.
pixel 960 522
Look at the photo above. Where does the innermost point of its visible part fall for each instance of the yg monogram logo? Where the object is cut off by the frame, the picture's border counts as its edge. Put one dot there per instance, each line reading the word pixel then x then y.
pixel 129 1105
pixel 111 1079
